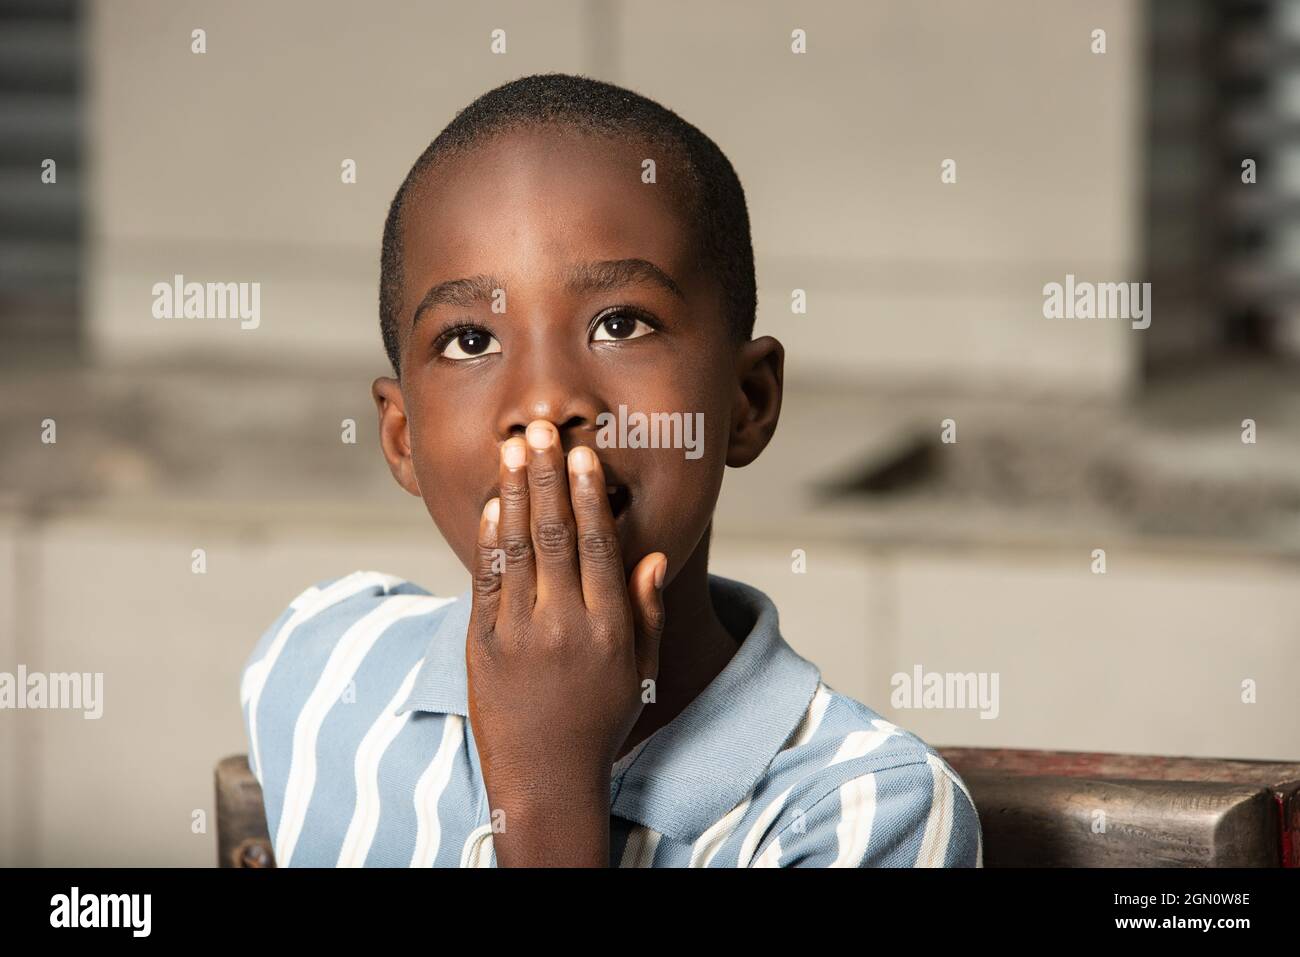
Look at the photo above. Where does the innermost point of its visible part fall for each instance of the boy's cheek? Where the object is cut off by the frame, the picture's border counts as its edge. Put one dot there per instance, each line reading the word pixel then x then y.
pixel 454 506
pixel 458 528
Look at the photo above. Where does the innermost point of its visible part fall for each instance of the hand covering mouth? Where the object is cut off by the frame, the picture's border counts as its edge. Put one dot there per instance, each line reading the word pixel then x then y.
pixel 618 494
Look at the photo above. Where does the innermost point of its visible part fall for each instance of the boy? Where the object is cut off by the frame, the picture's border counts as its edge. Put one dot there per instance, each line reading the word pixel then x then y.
pixel 563 249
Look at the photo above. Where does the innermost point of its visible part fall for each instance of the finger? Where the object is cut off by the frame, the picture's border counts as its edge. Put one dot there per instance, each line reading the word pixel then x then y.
pixel 645 588
pixel 487 573
pixel 514 538
pixel 555 538
pixel 600 557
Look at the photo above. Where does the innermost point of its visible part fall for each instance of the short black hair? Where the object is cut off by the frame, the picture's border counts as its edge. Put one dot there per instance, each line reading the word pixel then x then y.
pixel 713 195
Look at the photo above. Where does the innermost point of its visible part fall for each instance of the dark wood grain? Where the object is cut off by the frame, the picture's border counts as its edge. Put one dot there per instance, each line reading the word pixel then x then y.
pixel 1032 821
pixel 1160 810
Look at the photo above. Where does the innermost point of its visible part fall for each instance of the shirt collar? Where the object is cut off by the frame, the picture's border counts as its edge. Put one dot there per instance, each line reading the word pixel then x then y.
pixel 700 765
pixel 441 684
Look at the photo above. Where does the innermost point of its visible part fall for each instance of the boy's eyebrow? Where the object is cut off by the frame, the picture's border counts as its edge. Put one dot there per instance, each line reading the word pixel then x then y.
pixel 613 273
pixel 596 276
pixel 458 292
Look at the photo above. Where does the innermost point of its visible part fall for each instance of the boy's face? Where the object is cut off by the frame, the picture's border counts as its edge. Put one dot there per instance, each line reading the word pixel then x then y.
pixel 529 216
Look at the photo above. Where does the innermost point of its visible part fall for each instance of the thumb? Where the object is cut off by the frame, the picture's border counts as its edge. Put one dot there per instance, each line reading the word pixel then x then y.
pixel 648 610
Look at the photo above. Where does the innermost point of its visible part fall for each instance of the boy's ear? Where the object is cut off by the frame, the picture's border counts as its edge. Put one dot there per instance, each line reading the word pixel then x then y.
pixel 394 435
pixel 760 364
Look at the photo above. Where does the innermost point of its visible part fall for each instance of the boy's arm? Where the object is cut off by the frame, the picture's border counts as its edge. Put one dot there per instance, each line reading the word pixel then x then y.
pixel 554 829
pixel 917 814
pixel 556 653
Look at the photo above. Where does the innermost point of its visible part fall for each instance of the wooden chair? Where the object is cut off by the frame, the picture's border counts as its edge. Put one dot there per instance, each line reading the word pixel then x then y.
pixel 1037 809
pixel 242 838
pixel 1088 809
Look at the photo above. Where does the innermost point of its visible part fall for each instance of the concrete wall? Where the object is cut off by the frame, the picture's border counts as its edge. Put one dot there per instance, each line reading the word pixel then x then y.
pixel 225 166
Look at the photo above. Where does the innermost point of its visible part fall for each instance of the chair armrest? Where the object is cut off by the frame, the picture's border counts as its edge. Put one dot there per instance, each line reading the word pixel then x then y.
pixel 1092 809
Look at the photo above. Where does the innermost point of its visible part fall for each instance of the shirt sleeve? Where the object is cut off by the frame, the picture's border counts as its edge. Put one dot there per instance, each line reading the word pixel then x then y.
pixel 917 814
pixel 254 674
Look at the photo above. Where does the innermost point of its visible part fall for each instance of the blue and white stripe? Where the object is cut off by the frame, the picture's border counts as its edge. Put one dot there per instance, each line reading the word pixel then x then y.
pixel 355 705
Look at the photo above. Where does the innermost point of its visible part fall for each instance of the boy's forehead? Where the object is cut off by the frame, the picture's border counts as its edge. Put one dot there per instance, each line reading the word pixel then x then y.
pixel 536 203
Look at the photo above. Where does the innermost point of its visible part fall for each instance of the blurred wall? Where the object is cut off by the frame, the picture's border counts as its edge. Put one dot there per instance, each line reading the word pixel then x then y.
pixel 226 165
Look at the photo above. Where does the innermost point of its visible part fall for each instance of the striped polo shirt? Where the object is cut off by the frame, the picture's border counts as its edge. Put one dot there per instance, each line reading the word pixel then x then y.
pixel 354 702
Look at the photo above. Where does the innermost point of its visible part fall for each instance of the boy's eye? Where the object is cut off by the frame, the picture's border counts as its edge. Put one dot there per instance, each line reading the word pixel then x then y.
pixel 470 344
pixel 620 325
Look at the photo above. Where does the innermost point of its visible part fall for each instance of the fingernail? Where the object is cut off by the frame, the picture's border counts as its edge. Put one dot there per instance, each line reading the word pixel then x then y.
pixel 660 571
pixel 582 460
pixel 540 435
pixel 492 511
pixel 514 454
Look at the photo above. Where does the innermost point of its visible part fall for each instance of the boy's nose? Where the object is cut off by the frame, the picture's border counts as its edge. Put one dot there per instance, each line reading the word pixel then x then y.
pixel 551 385
pixel 571 408
pixel 567 429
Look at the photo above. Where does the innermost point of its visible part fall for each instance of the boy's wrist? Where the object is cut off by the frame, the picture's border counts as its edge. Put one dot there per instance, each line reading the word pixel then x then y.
pixel 553 826
pixel 555 796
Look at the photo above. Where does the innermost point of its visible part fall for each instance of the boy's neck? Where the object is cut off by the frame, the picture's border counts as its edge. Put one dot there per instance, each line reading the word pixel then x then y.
pixel 695 647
